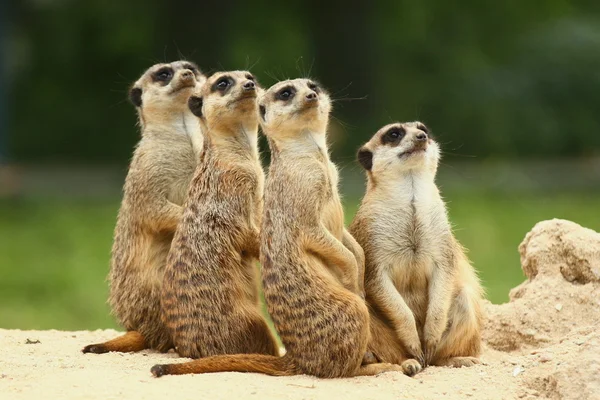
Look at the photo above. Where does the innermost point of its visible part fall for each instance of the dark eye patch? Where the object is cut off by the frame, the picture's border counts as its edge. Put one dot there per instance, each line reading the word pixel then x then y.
pixel 164 74
pixel 422 128
pixel 223 84
pixel 285 93
pixel 313 86
pixel 393 136
pixel 251 77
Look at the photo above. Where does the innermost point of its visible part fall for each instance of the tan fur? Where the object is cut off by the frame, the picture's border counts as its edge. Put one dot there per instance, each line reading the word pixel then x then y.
pixel 422 289
pixel 210 290
pixel 155 188
pixel 310 278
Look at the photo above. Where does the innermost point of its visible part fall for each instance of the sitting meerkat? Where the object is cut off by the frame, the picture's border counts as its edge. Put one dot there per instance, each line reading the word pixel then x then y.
pixel 210 301
pixel 310 279
pixel 424 294
pixel 155 188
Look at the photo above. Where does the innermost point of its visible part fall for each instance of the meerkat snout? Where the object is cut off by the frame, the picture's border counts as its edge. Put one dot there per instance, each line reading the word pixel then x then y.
pixel 187 74
pixel 249 86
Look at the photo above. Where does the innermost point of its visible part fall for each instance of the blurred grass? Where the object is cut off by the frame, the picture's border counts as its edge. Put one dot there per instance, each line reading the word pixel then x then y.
pixel 54 254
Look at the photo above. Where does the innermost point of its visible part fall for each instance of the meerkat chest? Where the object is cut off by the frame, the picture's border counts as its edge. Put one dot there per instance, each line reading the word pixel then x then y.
pixel 408 233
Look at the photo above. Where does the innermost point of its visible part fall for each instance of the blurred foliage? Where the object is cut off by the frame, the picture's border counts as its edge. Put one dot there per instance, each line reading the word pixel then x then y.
pixel 500 79
pixel 52 274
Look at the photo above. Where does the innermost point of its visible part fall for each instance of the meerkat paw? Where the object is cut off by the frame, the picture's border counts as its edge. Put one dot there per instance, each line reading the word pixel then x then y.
pixel 411 367
pixel 458 362
pixel 414 350
pixel 430 348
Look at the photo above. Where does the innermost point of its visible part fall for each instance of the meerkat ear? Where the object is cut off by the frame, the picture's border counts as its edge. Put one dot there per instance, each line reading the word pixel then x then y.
pixel 365 158
pixel 263 111
pixel 135 96
pixel 195 105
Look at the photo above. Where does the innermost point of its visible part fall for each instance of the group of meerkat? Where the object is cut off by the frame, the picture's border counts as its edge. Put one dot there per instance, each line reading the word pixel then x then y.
pixel 394 292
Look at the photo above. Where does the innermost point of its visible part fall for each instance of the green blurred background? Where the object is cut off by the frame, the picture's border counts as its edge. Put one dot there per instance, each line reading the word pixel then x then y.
pixel 511 90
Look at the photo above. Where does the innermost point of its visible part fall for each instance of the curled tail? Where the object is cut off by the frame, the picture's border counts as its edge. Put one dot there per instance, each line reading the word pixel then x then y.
pixel 265 364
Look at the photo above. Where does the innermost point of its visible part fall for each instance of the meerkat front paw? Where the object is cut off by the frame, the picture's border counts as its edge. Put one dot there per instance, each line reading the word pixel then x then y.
pixel 413 348
pixel 430 347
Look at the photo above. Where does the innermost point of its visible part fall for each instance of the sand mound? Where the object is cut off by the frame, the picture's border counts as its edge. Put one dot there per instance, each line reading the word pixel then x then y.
pixel 554 315
pixel 544 343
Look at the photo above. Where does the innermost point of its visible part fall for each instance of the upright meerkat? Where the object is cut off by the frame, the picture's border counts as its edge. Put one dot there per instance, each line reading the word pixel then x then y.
pixel 419 283
pixel 310 279
pixel 210 300
pixel 155 188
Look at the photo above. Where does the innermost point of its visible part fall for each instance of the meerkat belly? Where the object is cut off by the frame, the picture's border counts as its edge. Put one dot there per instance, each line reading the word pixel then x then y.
pixel 412 241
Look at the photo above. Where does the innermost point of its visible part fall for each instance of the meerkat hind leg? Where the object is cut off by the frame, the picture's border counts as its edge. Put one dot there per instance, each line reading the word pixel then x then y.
pixel 129 342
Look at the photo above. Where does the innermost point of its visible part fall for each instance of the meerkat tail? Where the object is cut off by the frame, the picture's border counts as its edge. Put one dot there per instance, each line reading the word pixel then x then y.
pixel 130 341
pixel 261 363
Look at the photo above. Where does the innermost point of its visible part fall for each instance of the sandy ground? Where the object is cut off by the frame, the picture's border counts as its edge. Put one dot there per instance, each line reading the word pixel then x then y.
pixel 544 343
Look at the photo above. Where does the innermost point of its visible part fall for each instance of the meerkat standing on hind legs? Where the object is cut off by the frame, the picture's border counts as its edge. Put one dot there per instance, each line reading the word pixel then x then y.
pixel 155 188
pixel 210 301
pixel 310 279
pixel 422 290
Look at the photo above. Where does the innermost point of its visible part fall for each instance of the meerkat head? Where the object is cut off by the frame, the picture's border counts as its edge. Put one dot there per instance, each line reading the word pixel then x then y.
pixel 164 89
pixel 227 102
pixel 290 107
pixel 400 147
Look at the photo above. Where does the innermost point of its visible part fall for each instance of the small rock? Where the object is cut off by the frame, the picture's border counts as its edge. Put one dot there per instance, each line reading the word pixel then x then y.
pixel 558 307
pixel 545 357
pixel 517 371
pixel 29 341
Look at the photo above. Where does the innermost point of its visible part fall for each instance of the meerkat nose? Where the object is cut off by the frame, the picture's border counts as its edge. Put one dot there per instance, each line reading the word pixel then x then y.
pixel 311 96
pixel 187 74
pixel 421 137
pixel 249 85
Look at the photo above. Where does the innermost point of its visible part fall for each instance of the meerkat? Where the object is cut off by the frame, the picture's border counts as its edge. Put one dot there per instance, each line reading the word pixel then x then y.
pixel 310 279
pixel 418 281
pixel 210 301
pixel 155 188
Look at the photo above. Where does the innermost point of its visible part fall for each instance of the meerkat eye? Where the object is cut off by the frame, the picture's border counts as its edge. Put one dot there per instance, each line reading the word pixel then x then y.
pixel 223 83
pixel 250 77
pixel 163 75
pixel 285 93
pixel 393 135
pixel 313 86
